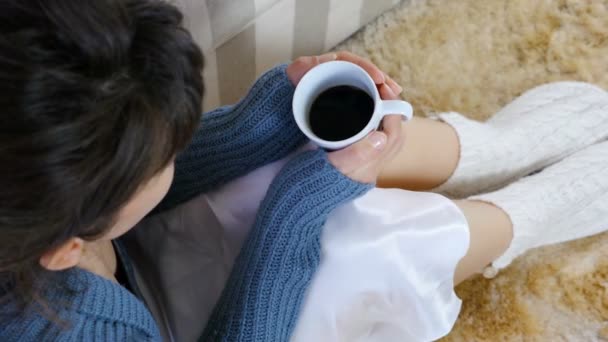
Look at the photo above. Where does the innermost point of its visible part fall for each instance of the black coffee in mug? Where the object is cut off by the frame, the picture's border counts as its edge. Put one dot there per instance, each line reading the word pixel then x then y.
pixel 340 113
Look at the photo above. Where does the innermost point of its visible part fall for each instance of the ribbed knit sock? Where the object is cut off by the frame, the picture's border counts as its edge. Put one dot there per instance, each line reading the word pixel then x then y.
pixel 566 201
pixel 539 128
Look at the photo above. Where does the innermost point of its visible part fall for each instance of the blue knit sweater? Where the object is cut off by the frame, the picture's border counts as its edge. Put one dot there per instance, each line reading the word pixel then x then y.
pixel 270 277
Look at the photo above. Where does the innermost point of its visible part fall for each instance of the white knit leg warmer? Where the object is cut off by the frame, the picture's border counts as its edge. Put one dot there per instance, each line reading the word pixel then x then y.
pixel 539 128
pixel 566 201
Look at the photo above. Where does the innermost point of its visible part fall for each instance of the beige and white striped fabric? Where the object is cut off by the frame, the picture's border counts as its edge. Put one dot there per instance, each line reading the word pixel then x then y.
pixel 243 38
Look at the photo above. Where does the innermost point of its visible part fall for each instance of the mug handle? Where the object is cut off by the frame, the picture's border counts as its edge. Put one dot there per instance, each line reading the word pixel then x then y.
pixel 389 107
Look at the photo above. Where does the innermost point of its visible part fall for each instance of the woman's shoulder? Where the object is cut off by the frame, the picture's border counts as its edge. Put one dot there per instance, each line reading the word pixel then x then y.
pixel 78 305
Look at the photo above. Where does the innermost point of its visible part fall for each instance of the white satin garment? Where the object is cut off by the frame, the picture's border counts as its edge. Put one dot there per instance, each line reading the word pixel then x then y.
pixel 387 263
pixel 387 270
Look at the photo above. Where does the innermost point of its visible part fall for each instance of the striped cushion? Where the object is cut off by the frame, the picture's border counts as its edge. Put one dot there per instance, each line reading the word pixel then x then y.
pixel 243 38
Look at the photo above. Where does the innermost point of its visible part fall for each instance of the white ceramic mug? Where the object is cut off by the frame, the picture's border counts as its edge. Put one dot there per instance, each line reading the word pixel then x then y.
pixel 340 73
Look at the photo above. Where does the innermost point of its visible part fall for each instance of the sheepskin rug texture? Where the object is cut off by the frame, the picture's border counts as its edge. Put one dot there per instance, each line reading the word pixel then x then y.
pixel 474 57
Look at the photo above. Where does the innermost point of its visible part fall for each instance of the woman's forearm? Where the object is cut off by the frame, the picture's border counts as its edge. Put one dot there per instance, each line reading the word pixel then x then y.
pixel 266 288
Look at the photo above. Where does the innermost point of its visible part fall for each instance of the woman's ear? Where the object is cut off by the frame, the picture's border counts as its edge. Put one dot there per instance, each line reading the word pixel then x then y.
pixel 67 255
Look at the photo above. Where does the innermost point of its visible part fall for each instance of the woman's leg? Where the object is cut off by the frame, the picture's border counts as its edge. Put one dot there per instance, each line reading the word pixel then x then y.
pixel 428 158
pixel 565 201
pixel 465 157
pixel 491 233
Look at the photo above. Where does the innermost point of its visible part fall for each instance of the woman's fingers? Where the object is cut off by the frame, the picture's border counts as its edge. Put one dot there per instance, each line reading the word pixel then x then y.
pixel 361 161
pixel 397 89
pixel 392 127
pixel 376 74
pixel 387 92
pixel 298 68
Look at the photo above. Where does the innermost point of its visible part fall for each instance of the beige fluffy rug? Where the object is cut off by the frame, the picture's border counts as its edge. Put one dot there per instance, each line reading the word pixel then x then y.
pixel 474 56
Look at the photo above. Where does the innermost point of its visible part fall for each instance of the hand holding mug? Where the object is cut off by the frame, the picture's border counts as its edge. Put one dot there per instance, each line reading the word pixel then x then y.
pixel 364 151
pixel 302 65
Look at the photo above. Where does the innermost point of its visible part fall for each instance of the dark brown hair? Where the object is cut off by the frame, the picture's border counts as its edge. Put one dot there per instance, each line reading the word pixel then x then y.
pixel 96 97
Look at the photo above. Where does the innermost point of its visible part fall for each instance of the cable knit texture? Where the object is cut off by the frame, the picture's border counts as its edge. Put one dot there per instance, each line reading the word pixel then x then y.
pixel 539 128
pixel 263 295
pixel 566 201
pixel 265 290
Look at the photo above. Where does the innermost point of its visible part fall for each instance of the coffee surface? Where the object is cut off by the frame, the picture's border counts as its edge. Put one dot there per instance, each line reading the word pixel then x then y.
pixel 340 113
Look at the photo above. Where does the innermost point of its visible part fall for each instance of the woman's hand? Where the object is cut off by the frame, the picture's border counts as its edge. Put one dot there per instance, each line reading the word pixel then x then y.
pixel 302 65
pixel 363 160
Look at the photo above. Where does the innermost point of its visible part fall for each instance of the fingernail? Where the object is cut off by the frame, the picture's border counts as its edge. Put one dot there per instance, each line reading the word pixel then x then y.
pixel 328 57
pixel 390 90
pixel 378 140
pixel 391 82
pixel 397 85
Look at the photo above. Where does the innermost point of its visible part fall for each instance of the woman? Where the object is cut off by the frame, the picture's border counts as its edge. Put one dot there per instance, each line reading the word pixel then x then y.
pixel 98 99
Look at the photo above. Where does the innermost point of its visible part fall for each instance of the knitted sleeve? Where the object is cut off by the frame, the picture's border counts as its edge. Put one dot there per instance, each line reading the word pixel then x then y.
pixel 262 298
pixel 78 306
pixel 234 140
